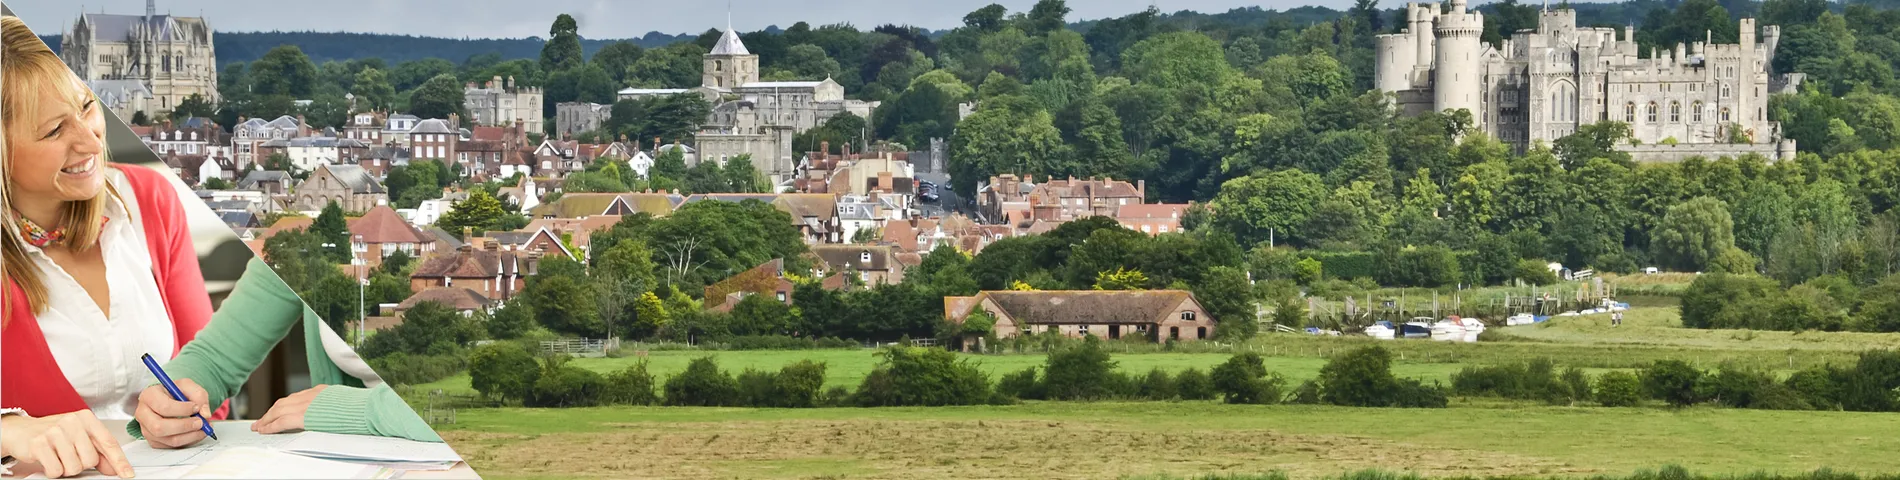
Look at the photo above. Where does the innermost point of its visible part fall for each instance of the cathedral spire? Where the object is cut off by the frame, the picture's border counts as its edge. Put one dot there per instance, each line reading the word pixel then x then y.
pixel 151 9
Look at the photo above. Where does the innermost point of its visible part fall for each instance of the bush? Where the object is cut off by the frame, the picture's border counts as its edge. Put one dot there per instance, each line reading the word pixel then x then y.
pixel 1022 385
pixel 1536 380
pixel 1157 386
pixel 1734 387
pixel 756 388
pixel 1720 300
pixel 630 386
pixel 1079 372
pixel 405 369
pixel 1619 389
pixel 1191 384
pixel 915 376
pixel 1363 378
pixel 1307 394
pixel 563 385
pixel 835 397
pixel 501 370
pixel 1534 272
pixel 1346 264
pixel 1672 381
pixel 780 342
pixel 703 384
pixel 1243 379
pixel 1870 386
pixel 797 385
pixel 1429 266
pixel 1818 387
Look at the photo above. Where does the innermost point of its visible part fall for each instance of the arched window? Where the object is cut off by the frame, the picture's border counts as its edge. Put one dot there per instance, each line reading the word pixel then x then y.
pixel 1675 112
pixel 1651 117
pixel 1629 112
pixel 1695 112
pixel 1726 92
pixel 719 65
pixel 1725 116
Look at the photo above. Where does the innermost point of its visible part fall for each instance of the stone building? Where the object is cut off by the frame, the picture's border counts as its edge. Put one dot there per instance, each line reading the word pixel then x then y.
pixel 499 102
pixel 576 117
pixel 172 57
pixel 1542 84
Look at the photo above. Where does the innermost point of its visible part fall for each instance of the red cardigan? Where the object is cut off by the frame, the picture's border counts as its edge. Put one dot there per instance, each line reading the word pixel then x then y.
pixel 29 377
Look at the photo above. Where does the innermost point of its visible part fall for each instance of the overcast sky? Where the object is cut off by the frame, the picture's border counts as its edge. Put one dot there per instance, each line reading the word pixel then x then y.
pixel 598 18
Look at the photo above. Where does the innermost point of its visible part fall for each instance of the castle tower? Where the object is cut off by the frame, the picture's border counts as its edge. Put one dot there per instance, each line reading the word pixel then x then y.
pixel 1456 82
pixel 729 65
pixel 1396 55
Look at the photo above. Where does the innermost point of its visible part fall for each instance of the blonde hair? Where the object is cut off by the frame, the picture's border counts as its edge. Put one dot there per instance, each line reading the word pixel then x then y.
pixel 27 68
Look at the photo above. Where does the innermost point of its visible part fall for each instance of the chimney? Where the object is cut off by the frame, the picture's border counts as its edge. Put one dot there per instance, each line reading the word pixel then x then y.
pixel 656 142
pixel 455 121
pixel 491 246
pixel 824 149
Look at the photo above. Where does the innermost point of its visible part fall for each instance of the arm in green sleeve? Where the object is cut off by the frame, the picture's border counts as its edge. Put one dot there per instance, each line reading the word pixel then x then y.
pixel 259 312
pixel 375 411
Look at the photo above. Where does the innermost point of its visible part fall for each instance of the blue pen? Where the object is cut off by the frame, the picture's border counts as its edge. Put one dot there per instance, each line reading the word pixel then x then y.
pixel 172 388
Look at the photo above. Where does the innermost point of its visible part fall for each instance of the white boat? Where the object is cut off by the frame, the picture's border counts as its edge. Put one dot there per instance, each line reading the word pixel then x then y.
pixel 1447 330
pixel 1381 331
pixel 1473 327
pixel 1520 319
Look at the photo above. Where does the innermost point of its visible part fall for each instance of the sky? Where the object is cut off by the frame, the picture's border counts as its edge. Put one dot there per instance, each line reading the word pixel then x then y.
pixel 603 19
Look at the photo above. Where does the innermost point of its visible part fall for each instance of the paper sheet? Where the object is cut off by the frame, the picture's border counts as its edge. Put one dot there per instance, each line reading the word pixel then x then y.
pixel 142 454
pixel 255 462
pixel 369 449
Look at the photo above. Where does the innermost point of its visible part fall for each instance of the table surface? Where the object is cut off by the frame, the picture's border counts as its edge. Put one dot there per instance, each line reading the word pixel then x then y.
pixel 117 427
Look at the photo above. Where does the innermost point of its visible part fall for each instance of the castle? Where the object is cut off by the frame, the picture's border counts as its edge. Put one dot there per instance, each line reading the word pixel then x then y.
pixel 171 58
pixel 755 118
pixel 1540 85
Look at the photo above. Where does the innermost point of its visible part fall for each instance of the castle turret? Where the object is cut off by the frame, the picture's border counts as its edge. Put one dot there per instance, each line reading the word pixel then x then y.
pixel 1396 55
pixel 1457 83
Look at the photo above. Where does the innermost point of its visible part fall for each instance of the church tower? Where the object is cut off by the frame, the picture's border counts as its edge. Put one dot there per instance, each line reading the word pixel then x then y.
pixel 729 65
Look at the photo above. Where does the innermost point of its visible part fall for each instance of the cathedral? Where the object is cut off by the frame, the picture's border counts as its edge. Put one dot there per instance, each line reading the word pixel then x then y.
pixel 1540 85
pixel 171 57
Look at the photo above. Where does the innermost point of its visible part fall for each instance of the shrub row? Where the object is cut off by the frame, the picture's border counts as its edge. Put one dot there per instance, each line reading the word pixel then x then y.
pixel 1871 385
pixel 1084 372
pixel 405 369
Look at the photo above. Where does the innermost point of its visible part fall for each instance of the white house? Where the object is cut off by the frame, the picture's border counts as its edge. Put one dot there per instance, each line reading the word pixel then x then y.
pixel 640 163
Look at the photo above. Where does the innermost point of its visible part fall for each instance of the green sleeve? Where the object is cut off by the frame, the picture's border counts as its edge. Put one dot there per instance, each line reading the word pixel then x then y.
pixel 375 411
pixel 259 312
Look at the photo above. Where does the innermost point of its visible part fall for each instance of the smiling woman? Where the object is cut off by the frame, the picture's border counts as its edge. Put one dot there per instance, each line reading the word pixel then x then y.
pixel 99 268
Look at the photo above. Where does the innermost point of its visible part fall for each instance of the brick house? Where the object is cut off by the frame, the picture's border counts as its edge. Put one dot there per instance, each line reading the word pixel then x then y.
pixel 873 264
pixel 463 300
pixel 384 232
pixel 1157 314
pixel 1057 200
pixel 766 279
pixel 496 274
pixel 1152 219
pixel 543 242
pixel 349 186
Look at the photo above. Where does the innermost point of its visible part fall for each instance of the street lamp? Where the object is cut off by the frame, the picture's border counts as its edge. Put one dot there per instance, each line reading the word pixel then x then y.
pixel 362 282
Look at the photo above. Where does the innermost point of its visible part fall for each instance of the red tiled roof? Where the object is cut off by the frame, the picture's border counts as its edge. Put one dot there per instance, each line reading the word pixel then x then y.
pixel 1153 210
pixel 383 225
pixel 490 134
pixel 455 298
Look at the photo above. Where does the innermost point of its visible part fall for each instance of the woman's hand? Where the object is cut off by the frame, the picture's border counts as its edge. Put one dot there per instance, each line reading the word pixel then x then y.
pixel 168 423
pixel 287 413
pixel 64 445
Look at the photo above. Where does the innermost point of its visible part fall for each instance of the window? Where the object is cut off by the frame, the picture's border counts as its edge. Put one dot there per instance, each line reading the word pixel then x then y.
pixel 1726 93
pixel 781 296
pixel 1651 118
pixel 1174 333
pixel 1675 112
pixel 1695 112
pixel 1725 116
pixel 1188 316
pixel 865 258
pixel 1200 332
pixel 1629 112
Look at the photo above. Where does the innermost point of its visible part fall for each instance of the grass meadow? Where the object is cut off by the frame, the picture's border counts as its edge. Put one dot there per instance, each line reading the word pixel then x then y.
pixel 1475 438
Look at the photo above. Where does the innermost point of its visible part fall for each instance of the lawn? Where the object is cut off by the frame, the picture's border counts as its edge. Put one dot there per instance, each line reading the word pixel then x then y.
pixel 1115 440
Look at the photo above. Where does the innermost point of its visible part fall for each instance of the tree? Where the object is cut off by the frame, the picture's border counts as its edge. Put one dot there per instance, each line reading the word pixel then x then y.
pixel 810 62
pixel 761 315
pixel 502 370
pixel 1120 280
pixel 429 328
pixel 140 119
pixel 1694 233
pixel 373 91
pixel 437 98
pixel 649 317
pixel 479 213
pixel 564 300
pixel 1007 134
pixel 510 321
pixel 1047 16
pixel 1228 297
pixel 1672 381
pixel 284 70
pixel 563 50
pixel 1243 379
pixel 1079 372
pixel 1597 140
pixel 614 58
pixel 986 19
pixel 193 106
pixel 1272 204
pixel 331 228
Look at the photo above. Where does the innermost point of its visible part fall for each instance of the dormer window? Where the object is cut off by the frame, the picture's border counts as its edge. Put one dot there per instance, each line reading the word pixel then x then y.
pixel 865 258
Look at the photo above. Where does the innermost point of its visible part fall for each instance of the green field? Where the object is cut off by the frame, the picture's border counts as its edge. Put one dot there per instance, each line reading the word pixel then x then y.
pixel 1476 437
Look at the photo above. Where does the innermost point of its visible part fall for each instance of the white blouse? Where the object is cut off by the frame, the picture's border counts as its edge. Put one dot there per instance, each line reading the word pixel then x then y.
pixel 99 354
